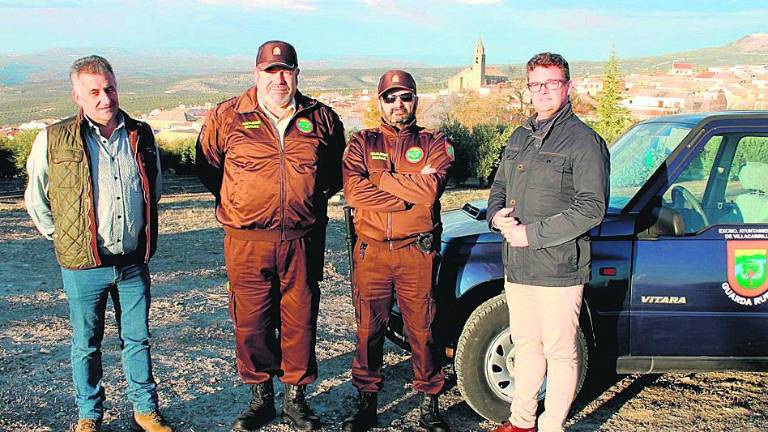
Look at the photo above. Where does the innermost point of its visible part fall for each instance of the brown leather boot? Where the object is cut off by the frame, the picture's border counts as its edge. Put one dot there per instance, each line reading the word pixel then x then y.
pixel 87 425
pixel 150 422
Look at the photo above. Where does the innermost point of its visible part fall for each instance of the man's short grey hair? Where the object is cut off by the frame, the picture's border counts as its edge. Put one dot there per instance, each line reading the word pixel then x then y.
pixel 92 64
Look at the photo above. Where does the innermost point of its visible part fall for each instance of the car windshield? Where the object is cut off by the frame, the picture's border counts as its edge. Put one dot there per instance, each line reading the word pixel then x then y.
pixel 637 154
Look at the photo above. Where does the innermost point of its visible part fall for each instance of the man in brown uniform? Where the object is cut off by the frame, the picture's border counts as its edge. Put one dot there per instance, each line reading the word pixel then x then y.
pixel 272 158
pixel 393 177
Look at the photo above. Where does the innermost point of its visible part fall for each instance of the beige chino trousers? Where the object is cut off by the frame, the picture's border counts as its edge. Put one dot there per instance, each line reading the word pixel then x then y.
pixel 543 322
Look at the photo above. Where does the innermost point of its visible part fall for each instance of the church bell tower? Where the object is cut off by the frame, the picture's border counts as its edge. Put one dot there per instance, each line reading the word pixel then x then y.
pixel 478 65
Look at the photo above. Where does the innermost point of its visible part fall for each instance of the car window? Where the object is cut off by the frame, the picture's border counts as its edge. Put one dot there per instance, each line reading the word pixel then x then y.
pixel 686 195
pixel 725 183
pixel 638 154
pixel 747 185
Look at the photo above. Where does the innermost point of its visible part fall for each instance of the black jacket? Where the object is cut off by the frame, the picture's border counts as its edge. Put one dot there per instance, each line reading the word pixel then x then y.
pixel 557 179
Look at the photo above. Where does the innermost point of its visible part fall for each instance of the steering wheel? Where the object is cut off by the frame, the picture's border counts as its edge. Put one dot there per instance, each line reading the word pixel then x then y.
pixel 687 196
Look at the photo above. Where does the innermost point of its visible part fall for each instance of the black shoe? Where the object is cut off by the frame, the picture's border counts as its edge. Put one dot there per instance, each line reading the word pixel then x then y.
pixel 429 412
pixel 260 411
pixel 365 416
pixel 296 411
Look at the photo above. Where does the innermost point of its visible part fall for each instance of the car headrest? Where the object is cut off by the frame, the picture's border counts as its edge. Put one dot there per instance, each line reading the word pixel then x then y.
pixel 754 176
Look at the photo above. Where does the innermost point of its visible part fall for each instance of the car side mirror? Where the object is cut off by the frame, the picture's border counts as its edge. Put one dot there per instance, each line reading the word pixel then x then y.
pixel 661 221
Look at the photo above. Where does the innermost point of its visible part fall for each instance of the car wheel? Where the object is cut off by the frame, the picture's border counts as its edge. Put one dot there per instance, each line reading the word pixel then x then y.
pixel 485 358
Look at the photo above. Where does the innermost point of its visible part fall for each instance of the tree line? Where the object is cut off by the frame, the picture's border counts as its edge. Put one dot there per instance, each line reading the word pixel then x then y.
pixel 478 126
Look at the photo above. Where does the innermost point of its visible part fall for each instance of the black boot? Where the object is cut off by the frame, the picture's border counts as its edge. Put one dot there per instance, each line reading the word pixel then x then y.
pixel 430 414
pixel 260 411
pixel 295 409
pixel 365 416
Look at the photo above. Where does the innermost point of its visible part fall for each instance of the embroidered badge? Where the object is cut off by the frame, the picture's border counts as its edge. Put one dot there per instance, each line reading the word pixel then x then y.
pixel 252 124
pixel 395 79
pixel 379 156
pixel 276 51
pixel 450 151
pixel 304 125
pixel 414 154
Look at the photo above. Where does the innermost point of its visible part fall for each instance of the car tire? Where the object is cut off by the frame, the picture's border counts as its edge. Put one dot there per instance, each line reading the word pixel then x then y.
pixel 482 374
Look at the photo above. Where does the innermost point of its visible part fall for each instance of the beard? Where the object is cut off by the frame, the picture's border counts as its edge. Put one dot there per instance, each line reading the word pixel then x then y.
pixel 398 119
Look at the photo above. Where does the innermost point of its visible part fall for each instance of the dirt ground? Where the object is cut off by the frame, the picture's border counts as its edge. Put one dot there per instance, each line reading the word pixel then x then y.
pixel 192 348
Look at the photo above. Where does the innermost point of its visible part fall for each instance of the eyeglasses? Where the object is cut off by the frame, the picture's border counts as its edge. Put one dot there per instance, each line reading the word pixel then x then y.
pixel 405 97
pixel 549 84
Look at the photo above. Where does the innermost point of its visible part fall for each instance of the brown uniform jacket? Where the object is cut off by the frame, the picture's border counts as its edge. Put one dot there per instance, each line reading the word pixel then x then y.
pixel 382 181
pixel 266 191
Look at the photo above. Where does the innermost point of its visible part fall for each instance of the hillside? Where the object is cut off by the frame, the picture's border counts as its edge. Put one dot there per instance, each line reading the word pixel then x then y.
pixel 34 86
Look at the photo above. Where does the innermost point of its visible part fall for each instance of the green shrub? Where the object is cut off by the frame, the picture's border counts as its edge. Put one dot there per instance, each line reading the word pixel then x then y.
pixel 490 141
pixel 178 156
pixel 14 152
pixel 463 146
pixel 7 165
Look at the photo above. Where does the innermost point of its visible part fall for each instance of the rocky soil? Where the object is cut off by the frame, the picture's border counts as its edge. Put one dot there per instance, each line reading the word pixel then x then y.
pixel 194 356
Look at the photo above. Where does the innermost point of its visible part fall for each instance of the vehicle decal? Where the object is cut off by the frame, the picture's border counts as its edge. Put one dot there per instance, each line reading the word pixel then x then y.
pixel 747 272
pixel 743 233
pixel 663 299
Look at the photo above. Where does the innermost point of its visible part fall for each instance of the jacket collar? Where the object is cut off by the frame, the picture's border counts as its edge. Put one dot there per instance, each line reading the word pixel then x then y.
pixel 248 102
pixel 564 114
pixel 409 128
pixel 82 121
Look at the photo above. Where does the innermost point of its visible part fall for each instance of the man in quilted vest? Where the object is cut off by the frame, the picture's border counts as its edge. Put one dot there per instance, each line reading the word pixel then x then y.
pixel 94 183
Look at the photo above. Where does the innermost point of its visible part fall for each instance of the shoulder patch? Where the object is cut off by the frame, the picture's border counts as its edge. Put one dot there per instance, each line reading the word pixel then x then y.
pixel 224 105
pixel 450 150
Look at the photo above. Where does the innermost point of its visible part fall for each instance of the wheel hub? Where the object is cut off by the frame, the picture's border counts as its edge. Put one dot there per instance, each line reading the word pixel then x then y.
pixel 499 367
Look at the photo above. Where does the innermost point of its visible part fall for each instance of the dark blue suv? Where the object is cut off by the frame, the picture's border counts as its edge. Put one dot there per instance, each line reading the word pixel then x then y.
pixel 679 265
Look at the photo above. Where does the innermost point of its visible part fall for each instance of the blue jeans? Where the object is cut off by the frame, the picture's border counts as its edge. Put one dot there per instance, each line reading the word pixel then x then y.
pixel 87 292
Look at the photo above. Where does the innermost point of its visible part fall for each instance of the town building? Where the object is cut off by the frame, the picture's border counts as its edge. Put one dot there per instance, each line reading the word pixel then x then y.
pixel 477 76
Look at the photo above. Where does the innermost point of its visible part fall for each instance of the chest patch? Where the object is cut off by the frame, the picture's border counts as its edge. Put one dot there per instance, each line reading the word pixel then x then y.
pixel 255 124
pixel 303 124
pixel 414 154
pixel 379 156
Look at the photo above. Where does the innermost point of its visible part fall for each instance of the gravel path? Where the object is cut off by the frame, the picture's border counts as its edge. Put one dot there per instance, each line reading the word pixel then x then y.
pixel 194 357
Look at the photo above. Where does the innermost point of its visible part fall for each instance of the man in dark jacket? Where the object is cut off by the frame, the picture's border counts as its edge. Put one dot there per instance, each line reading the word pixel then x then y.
pixel 272 158
pixel 550 190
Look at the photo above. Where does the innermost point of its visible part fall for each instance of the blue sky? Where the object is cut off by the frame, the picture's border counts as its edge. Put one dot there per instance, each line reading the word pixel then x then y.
pixel 439 32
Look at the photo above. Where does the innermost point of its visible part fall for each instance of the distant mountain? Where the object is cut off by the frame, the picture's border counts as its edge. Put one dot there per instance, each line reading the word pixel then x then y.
pixel 757 42
pixel 51 65
pixel 751 49
pixel 34 86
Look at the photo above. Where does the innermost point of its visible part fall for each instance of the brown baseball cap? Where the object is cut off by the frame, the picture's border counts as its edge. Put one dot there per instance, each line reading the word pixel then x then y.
pixel 396 79
pixel 276 53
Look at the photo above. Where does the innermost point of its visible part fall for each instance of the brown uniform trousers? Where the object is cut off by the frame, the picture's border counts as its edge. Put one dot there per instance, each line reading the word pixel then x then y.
pixel 380 272
pixel 273 305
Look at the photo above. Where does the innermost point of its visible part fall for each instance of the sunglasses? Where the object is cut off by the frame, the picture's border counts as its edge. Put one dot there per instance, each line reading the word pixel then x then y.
pixel 405 97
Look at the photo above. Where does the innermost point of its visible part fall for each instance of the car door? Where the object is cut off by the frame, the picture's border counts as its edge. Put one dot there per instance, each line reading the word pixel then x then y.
pixel 705 293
